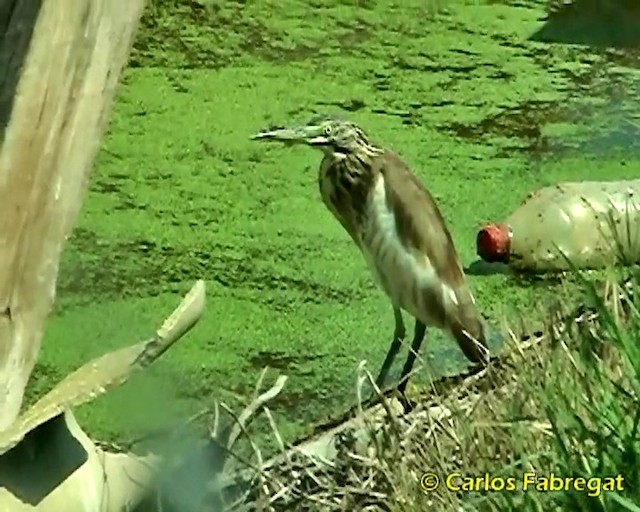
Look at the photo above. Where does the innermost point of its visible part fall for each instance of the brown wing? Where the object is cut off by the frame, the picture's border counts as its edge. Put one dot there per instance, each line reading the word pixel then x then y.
pixel 419 221
pixel 423 230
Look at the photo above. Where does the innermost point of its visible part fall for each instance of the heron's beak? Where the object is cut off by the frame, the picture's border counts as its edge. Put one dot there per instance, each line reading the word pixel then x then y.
pixel 311 135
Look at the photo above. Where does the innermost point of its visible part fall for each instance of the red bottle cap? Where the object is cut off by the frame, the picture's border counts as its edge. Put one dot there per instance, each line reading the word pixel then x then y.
pixel 493 243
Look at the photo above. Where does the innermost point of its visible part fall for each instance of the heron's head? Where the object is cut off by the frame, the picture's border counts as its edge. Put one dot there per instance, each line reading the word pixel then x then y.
pixel 331 135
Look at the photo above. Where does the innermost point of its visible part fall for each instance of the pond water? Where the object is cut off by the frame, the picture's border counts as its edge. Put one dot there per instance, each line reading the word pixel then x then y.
pixel 470 95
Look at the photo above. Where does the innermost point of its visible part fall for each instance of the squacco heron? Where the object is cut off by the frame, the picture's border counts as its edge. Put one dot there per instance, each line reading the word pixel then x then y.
pixel 396 224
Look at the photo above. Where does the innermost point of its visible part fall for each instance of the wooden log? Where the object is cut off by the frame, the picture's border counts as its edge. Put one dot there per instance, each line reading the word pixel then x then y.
pixel 60 62
pixel 47 462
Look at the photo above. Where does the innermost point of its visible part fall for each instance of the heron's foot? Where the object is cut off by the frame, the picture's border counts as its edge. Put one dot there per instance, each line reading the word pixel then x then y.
pixel 396 343
pixel 418 337
pixel 399 333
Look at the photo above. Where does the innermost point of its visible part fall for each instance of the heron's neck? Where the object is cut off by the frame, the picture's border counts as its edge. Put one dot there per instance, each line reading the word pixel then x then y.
pixel 363 153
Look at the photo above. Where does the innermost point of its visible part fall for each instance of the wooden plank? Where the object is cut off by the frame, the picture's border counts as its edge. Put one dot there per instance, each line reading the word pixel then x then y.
pixel 47 462
pixel 55 115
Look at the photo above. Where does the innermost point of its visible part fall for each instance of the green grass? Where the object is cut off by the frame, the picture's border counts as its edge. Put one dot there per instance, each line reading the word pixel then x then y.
pixel 179 191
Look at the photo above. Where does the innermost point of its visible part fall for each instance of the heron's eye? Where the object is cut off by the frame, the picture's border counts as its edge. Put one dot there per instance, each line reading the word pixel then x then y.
pixel 327 130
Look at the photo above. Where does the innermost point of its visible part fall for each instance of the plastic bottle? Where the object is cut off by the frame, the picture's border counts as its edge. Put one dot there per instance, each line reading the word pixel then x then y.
pixel 574 218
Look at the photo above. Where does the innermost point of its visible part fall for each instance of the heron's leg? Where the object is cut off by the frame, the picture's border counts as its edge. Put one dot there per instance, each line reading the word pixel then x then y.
pixel 399 333
pixel 418 337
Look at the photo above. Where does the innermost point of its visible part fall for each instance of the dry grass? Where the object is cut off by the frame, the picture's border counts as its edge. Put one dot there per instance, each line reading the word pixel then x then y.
pixel 565 402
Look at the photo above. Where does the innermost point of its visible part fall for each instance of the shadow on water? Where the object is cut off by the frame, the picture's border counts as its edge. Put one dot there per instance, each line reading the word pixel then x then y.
pixel 524 127
pixel 195 36
pixel 625 135
pixel 100 269
pixel 612 29
pixel 520 129
pixel 521 278
pixel 482 268
pixel 599 23
pixel 279 360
